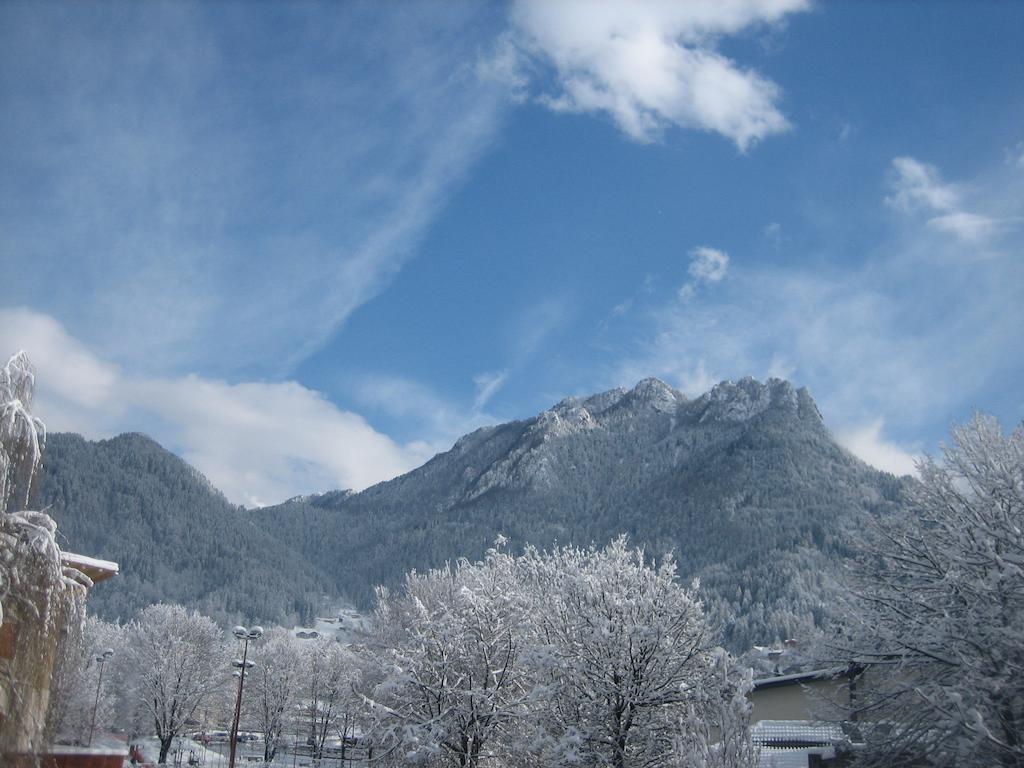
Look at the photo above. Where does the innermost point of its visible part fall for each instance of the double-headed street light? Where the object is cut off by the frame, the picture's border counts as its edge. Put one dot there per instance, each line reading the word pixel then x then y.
pixel 245 635
pixel 101 659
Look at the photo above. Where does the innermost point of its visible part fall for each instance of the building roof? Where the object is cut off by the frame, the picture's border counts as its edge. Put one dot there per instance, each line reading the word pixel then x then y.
pixel 97 570
pixel 798 678
pixel 794 733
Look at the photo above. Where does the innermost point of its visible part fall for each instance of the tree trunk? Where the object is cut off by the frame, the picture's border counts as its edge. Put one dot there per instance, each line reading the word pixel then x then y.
pixel 165 747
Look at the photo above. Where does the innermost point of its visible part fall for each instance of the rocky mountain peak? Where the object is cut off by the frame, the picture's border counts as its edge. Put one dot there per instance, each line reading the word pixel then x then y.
pixel 739 401
pixel 656 394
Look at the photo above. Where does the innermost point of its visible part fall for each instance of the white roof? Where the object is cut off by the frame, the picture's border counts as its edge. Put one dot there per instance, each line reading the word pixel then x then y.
pixel 94 568
pixel 800 677
pixel 768 732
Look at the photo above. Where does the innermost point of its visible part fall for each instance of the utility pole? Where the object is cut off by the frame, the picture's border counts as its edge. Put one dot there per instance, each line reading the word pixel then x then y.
pixel 101 659
pixel 245 635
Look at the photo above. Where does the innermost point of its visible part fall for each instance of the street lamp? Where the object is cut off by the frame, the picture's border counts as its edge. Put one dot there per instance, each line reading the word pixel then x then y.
pixel 101 659
pixel 245 635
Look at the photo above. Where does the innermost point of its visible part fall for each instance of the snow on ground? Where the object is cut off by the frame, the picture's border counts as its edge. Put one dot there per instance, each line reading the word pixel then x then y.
pixel 189 753
pixel 345 624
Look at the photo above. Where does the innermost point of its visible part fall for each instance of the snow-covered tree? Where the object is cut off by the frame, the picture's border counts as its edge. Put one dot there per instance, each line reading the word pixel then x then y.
pixel 329 675
pixel 29 557
pixel 453 684
pixel 77 690
pixel 43 601
pixel 619 650
pixel 940 610
pixel 22 435
pixel 273 686
pixel 173 660
pixel 714 730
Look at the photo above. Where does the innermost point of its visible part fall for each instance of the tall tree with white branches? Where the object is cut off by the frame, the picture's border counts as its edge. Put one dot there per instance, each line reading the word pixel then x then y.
pixel 274 686
pixel 453 686
pixel 174 659
pixel 329 673
pixel 619 650
pixel 939 613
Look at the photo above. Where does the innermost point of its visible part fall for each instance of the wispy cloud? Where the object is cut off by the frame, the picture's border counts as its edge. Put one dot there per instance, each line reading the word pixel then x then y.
pixel 651 64
pixel 226 195
pixel 487 384
pixel 917 186
pixel 708 264
pixel 258 442
pixel 866 442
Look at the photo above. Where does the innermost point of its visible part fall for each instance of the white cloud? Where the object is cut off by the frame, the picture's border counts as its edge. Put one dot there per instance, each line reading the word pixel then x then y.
pixel 966 226
pixel 780 368
pixel 917 186
pixel 258 442
pixel 866 443
pixel 651 64
pixel 708 264
pixel 420 408
pixel 695 382
pixel 487 384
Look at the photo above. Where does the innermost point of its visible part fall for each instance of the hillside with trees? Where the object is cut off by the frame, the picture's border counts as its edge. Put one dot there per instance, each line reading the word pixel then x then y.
pixel 176 538
pixel 744 485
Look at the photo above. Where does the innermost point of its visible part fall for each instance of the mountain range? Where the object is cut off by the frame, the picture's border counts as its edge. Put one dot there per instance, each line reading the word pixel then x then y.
pixel 744 486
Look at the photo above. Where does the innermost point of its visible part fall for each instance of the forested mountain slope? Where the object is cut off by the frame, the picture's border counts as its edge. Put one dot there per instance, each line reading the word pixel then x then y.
pixel 744 484
pixel 176 538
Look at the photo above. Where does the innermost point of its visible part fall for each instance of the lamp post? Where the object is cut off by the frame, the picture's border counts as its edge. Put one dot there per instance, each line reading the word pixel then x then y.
pixel 101 659
pixel 245 635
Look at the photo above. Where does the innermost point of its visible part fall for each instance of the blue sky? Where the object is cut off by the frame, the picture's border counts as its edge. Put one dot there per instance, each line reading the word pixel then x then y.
pixel 307 246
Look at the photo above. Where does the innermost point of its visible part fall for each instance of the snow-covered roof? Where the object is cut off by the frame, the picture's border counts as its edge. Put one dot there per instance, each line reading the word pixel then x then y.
pixel 795 733
pixel 97 570
pixel 800 677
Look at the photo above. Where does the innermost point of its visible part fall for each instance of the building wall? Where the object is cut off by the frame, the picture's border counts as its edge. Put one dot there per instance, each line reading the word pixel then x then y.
pixel 814 700
pixel 30 639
